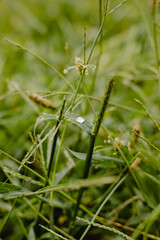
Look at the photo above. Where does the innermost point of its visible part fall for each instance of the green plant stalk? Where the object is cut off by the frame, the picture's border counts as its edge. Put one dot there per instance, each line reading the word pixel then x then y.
pixel 55 138
pixel 148 220
pixel 92 87
pixel 54 233
pixel 41 60
pixel 151 117
pixel 127 162
pixel 112 186
pixel 103 204
pixel 155 32
pixel 25 166
pixel 107 195
pixel 7 217
pixel 46 220
pixel 101 220
pixel 21 224
pixel 51 157
pixel 148 142
pixel 103 107
pixel 56 161
pixel 102 24
pixel 41 164
pixel 84 45
pixel 93 138
pixel 53 178
pixel 51 161
pixel 106 228
pixel 76 93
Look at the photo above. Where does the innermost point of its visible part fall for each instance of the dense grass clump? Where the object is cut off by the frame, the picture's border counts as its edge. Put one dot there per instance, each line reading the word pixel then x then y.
pixel 79 120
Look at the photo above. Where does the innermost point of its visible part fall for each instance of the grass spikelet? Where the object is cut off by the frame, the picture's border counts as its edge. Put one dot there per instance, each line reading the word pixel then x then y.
pixel 41 101
pixel 93 136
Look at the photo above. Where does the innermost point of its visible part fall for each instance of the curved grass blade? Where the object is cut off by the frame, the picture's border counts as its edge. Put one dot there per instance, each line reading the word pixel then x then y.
pixel 98 159
pixel 7 187
pixel 41 60
pixel 44 117
pixel 106 228
pixel 79 121
pixel 54 233
pixel 68 186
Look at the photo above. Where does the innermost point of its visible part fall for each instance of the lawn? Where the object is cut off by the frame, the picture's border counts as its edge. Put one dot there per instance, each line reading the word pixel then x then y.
pixel 79 119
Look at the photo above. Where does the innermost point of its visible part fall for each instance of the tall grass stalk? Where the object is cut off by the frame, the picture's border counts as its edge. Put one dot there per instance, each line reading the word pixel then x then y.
pixel 93 138
pixel 51 163
pixel 92 87
pixel 148 113
pixel 46 220
pixel 102 205
pixel 106 221
pixel 50 166
pixel 41 60
pixel 154 14
pixel 101 26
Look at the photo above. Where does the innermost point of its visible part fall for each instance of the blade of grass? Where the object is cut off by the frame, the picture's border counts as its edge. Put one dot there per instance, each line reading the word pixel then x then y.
pixel 54 233
pixel 55 138
pixel 68 186
pixel 151 117
pixel 28 168
pixel 93 136
pixel 41 60
pixel 154 11
pixel 101 27
pixel 21 224
pixel 106 221
pixel 106 228
pixel 103 204
pixel 148 142
pixel 47 221
pixel 21 176
pixel 146 22
pixel 148 220
pixel 51 162
pixel 7 217
pixel 34 147
pixel 53 178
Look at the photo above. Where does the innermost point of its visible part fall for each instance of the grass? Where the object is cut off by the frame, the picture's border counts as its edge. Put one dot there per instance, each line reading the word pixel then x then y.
pixel 74 164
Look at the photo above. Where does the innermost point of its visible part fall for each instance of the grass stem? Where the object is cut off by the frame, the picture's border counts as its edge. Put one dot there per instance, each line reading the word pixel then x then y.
pixel 93 138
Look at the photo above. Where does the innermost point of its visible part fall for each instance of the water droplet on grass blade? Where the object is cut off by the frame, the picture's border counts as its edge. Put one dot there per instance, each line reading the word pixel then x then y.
pixel 80 119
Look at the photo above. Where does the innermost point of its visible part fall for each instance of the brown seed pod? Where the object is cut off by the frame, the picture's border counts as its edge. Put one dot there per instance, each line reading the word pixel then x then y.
pixel 136 129
pixel 118 143
pixel 40 100
pixel 135 164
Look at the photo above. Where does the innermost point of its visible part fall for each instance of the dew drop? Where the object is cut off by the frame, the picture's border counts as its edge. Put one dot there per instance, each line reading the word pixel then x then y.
pixel 80 119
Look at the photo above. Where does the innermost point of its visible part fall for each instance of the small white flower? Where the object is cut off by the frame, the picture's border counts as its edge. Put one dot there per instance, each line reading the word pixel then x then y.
pixel 80 66
pixel 78 61
pixel 65 71
pixel 129 146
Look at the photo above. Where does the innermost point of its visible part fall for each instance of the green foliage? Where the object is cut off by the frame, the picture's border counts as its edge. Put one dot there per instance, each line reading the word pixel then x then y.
pixel 43 151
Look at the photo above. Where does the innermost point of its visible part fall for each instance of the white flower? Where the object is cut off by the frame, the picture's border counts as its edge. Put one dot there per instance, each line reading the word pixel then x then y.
pixel 80 66
pixel 65 71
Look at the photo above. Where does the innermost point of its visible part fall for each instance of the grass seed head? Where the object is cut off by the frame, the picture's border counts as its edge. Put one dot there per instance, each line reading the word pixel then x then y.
pixel 136 129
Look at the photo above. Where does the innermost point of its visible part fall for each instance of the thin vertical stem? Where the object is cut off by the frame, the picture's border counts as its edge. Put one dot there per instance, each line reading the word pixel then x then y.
pixel 93 136
pixel 51 162
pixel 55 138
pixel 103 204
pixel 155 32
pixel 84 45
pixel 100 49
pixel 53 179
